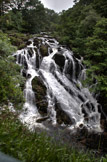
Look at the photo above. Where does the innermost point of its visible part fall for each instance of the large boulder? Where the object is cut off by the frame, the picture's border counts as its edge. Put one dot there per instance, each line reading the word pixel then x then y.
pixel 51 41
pixel 36 42
pixel 38 58
pixel 61 116
pixel 24 73
pixel 69 70
pixel 28 42
pixel 30 51
pixel 44 50
pixel 40 95
pixel 59 60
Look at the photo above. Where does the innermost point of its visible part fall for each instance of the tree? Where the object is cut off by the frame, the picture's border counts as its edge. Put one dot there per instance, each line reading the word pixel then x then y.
pixel 101 7
pixel 3 6
pixel 51 20
pixel 96 52
pixel 34 16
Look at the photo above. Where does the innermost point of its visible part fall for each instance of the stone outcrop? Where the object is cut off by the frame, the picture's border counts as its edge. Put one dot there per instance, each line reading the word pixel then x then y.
pixel 36 42
pixel 61 116
pixel 40 95
pixel 44 50
pixel 59 60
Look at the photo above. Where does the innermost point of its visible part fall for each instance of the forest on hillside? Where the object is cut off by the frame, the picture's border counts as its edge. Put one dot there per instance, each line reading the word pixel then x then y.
pixel 83 29
pixel 19 19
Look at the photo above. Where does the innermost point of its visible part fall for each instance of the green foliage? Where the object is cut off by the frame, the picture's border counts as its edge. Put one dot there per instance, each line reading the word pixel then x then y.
pixel 17 141
pixel 101 7
pixel 12 21
pixel 18 39
pixel 5 46
pixel 84 30
pixel 96 51
pixel 9 74
pixel 51 20
pixel 27 16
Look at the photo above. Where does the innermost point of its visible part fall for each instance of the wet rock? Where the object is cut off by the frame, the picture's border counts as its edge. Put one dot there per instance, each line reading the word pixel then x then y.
pixel 22 61
pixel 28 76
pixel 52 67
pixel 51 41
pixel 24 72
pixel 25 64
pixel 37 58
pixel 59 49
pixel 36 42
pixel 81 98
pixel 78 69
pixel 28 42
pixel 50 50
pixel 84 112
pixel 30 51
pixel 40 95
pixel 92 140
pixel 82 132
pixel 15 56
pixel 42 119
pixel 61 116
pixel 77 56
pixel 44 50
pixel 69 70
pixel 59 60
pixel 97 141
pixel 19 59
pixel 43 33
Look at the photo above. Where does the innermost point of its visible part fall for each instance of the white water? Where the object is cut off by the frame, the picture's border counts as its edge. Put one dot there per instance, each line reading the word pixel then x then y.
pixel 62 87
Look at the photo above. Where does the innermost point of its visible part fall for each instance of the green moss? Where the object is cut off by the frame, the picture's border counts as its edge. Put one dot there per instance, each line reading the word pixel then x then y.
pixel 19 39
pixel 40 95
pixel 23 45
pixel 44 50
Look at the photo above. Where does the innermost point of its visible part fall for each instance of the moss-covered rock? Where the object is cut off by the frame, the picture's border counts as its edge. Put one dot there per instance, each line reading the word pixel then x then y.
pixel 18 39
pixel 28 42
pixel 40 95
pixel 61 116
pixel 21 46
pixel 44 50
pixel 36 42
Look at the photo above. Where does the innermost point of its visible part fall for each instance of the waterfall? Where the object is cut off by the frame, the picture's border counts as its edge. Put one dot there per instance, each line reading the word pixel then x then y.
pixel 69 103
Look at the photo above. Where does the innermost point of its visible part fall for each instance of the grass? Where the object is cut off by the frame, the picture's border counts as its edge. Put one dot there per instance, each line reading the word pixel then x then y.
pixel 17 141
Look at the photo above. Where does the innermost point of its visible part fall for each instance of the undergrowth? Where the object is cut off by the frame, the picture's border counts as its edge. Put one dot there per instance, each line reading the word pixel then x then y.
pixel 17 141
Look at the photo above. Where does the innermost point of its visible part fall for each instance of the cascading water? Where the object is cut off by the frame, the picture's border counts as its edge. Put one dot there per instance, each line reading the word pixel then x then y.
pixel 61 73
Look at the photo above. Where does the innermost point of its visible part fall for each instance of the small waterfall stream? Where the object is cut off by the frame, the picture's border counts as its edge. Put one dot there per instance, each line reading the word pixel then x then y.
pixel 61 74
